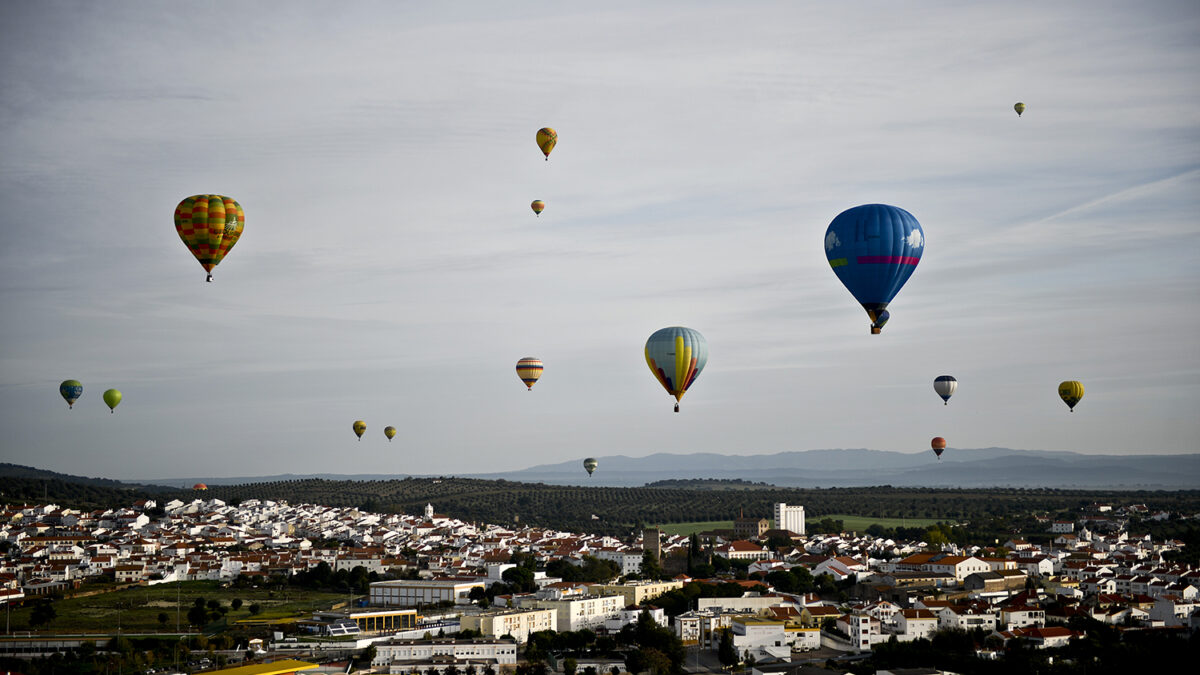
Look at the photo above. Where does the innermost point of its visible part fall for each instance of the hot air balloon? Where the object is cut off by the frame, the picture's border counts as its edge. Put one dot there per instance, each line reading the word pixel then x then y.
pixel 529 369
pixel 945 385
pixel 360 428
pixel 210 225
pixel 546 139
pixel 1019 107
pixel 112 398
pixel 538 206
pixel 874 249
pixel 939 446
pixel 1070 392
pixel 590 464
pixel 390 432
pixel 199 486
pixel 70 390
pixel 676 355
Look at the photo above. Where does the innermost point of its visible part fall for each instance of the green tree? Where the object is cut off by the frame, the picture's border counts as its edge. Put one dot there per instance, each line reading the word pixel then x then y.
pixel 521 578
pixel 197 616
pixel 651 569
pixel 255 608
pixel 236 604
pixel 43 613
pixel 726 652
pixel 569 666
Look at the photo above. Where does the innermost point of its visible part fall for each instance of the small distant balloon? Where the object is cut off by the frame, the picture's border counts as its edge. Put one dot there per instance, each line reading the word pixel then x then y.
pixel 1019 107
pixel 538 206
pixel 590 464
pixel 939 446
pixel 199 486
pixel 360 428
pixel 70 390
pixel 529 369
pixel 945 385
pixel 112 398
pixel 390 432
pixel 546 140
pixel 1070 391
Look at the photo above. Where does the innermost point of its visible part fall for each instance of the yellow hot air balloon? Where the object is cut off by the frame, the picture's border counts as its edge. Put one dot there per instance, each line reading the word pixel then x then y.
pixel 209 225
pixel 529 369
pixel 390 432
pixel 1019 107
pixel 360 428
pixel 546 138
pixel 1070 392
pixel 538 206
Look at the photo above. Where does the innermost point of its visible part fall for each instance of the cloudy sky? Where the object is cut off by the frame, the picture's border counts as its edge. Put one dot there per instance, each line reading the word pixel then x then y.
pixel 391 269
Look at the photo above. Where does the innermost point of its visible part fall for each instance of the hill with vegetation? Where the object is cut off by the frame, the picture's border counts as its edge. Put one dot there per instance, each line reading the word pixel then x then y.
pixel 608 510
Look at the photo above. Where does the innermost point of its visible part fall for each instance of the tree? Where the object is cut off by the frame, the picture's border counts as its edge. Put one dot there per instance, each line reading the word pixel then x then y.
pixel 521 578
pixel 197 616
pixel 255 608
pixel 569 666
pixel 43 613
pixel 726 652
pixel 236 604
pixel 651 569
pixel 163 619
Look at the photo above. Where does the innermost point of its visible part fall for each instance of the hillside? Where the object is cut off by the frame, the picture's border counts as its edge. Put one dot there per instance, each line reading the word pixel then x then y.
pixel 611 510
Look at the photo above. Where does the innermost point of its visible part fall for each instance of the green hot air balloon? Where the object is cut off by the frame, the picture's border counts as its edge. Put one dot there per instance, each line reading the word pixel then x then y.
pixel 112 398
pixel 590 464
pixel 71 390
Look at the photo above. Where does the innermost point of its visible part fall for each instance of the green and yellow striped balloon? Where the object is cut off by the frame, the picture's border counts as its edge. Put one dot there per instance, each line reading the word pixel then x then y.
pixel 209 225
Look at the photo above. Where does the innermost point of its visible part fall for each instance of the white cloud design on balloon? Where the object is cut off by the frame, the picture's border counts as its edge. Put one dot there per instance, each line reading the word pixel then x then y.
pixel 915 239
pixel 831 240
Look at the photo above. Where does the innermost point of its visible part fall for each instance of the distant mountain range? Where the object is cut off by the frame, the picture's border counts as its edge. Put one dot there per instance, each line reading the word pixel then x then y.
pixel 967 468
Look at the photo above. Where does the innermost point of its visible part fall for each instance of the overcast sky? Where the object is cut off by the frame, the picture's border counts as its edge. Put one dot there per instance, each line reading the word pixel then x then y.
pixel 392 271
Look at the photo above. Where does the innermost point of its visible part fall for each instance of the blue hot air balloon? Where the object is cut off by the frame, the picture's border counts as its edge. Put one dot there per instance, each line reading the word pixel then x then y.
pixel 874 249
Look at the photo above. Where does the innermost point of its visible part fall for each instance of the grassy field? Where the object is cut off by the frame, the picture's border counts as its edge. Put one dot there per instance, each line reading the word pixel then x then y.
pixel 851 523
pixel 136 610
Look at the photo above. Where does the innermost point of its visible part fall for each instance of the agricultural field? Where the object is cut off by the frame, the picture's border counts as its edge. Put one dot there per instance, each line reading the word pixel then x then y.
pixel 138 609
pixel 850 523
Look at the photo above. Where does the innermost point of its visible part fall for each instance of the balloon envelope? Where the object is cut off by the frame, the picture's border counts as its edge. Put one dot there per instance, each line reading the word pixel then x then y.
pixel 547 138
pixel 70 390
pixel 360 427
pixel 529 369
pixel 1070 391
pixel 199 486
pixel 112 398
pixel 538 206
pixel 590 464
pixel 874 249
pixel 945 385
pixel 209 226
pixel 676 355
pixel 390 432
pixel 1019 107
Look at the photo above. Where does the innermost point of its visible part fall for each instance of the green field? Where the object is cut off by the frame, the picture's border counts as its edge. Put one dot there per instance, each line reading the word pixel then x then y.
pixel 851 523
pixel 136 609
